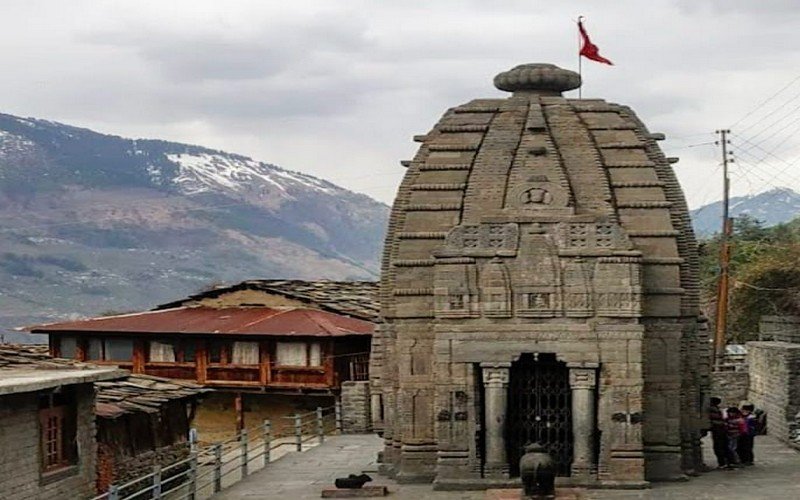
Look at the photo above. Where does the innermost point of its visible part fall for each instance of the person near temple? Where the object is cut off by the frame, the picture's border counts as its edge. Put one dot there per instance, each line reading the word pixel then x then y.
pixel 736 427
pixel 745 445
pixel 719 432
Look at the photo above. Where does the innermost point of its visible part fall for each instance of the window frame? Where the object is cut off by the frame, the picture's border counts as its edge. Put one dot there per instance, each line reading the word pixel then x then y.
pixel 58 454
pixel 307 354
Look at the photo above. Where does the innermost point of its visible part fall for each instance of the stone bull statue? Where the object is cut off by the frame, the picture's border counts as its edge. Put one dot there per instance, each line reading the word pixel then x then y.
pixel 537 469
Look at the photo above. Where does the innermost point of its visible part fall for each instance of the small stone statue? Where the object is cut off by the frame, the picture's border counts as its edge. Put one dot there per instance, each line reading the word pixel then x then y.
pixel 352 482
pixel 537 469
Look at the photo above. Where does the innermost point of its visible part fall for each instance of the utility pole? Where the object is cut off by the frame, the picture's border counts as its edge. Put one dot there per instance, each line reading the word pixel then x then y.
pixel 720 333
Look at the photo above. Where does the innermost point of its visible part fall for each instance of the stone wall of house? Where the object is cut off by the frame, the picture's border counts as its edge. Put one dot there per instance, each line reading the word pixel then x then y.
pixel 779 328
pixel 731 383
pixel 116 468
pixel 20 462
pixel 356 402
pixel 774 370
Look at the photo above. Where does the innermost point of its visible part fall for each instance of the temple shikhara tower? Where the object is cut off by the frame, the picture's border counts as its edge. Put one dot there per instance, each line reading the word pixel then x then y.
pixel 540 284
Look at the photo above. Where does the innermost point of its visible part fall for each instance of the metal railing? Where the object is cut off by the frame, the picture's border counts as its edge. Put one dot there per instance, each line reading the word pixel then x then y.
pixel 209 469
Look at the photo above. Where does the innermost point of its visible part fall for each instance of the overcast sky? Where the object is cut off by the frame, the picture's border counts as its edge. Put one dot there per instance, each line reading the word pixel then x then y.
pixel 337 88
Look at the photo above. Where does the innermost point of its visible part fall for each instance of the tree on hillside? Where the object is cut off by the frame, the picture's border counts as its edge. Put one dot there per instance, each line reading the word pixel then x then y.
pixel 765 274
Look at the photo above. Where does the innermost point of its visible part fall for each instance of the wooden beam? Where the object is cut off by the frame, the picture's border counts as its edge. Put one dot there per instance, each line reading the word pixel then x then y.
pixel 139 356
pixel 55 346
pixel 328 362
pixel 201 361
pixel 264 374
pixel 80 349
pixel 237 403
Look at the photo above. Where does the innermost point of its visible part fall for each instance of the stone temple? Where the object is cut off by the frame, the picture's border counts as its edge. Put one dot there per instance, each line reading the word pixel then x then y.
pixel 540 285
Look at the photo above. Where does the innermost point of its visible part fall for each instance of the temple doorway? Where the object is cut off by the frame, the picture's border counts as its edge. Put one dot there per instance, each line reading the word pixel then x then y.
pixel 539 410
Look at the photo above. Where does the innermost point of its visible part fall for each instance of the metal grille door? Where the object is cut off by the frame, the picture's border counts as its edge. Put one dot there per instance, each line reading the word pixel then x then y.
pixel 539 410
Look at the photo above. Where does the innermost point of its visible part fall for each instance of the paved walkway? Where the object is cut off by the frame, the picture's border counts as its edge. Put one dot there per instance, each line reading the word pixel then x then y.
pixel 302 476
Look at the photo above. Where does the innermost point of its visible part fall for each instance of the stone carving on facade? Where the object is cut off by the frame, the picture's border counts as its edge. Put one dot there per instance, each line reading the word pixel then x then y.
pixel 592 236
pixel 455 290
pixel 560 221
pixel 538 193
pixel 496 290
pixel 482 240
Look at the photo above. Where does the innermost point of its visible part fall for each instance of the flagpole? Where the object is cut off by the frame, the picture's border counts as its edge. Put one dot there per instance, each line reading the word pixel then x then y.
pixel 580 63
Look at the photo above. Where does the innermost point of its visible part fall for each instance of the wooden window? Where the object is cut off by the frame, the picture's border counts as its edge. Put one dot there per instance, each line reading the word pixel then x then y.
pixel 57 432
pixel 298 354
pixel 67 347
pixel 245 353
pixel 219 352
pixel 160 352
pixel 118 349
pixel 94 349
pixel 180 351
pixel 111 349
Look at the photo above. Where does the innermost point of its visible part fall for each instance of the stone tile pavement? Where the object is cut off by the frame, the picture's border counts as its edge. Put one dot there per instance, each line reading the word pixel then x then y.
pixel 301 476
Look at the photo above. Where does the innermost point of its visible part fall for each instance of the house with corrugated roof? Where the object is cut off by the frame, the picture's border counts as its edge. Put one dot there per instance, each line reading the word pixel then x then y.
pixel 295 341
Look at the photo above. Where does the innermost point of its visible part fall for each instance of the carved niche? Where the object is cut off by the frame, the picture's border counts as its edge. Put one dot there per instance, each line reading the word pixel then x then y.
pixel 618 286
pixel 455 289
pixel 496 291
pixel 537 278
pixel 537 193
pixel 577 288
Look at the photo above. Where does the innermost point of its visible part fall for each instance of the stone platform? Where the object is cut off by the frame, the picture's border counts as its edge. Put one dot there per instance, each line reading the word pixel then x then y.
pixel 304 476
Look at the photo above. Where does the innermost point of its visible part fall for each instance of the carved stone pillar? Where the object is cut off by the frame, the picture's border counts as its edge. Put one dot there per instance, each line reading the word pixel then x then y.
pixel 583 383
pixel 495 383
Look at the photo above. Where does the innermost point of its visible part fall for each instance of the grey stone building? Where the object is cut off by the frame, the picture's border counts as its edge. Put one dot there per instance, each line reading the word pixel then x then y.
pixel 48 447
pixel 539 283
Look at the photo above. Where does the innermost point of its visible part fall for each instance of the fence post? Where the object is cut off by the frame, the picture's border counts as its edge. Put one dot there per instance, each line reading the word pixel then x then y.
pixel 192 477
pixel 243 450
pixel 320 428
pixel 217 468
pixel 113 492
pixel 298 431
pixel 267 441
pixel 192 439
pixel 156 481
pixel 338 410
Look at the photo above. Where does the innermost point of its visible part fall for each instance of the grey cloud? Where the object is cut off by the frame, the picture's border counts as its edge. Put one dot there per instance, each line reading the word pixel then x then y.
pixel 231 55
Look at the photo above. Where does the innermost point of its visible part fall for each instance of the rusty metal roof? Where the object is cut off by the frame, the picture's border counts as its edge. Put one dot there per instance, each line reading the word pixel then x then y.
pixel 352 298
pixel 271 321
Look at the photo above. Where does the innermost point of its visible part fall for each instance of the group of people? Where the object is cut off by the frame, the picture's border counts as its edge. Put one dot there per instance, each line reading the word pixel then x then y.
pixel 733 431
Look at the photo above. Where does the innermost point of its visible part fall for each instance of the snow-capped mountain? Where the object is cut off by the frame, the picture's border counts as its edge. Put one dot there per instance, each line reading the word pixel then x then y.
pixel 92 222
pixel 770 207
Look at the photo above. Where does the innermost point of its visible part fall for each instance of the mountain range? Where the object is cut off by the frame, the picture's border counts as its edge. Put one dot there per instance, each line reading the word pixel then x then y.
pixel 770 207
pixel 93 223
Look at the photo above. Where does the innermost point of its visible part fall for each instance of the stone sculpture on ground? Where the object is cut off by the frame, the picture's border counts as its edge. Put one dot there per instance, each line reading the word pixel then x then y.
pixel 539 284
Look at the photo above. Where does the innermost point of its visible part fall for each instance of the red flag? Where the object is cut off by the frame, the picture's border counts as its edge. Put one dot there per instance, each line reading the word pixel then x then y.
pixel 588 49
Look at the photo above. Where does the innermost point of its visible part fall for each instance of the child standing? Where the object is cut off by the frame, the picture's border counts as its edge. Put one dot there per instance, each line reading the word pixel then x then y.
pixel 735 425
pixel 745 447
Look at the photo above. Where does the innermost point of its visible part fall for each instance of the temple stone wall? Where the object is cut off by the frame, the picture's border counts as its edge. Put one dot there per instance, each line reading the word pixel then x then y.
pixel 356 407
pixel 540 225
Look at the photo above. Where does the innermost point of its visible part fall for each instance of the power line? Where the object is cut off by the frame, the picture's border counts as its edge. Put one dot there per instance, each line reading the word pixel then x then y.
pixel 762 103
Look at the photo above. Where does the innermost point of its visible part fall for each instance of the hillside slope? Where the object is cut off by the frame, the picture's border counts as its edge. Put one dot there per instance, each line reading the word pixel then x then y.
pixel 92 222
